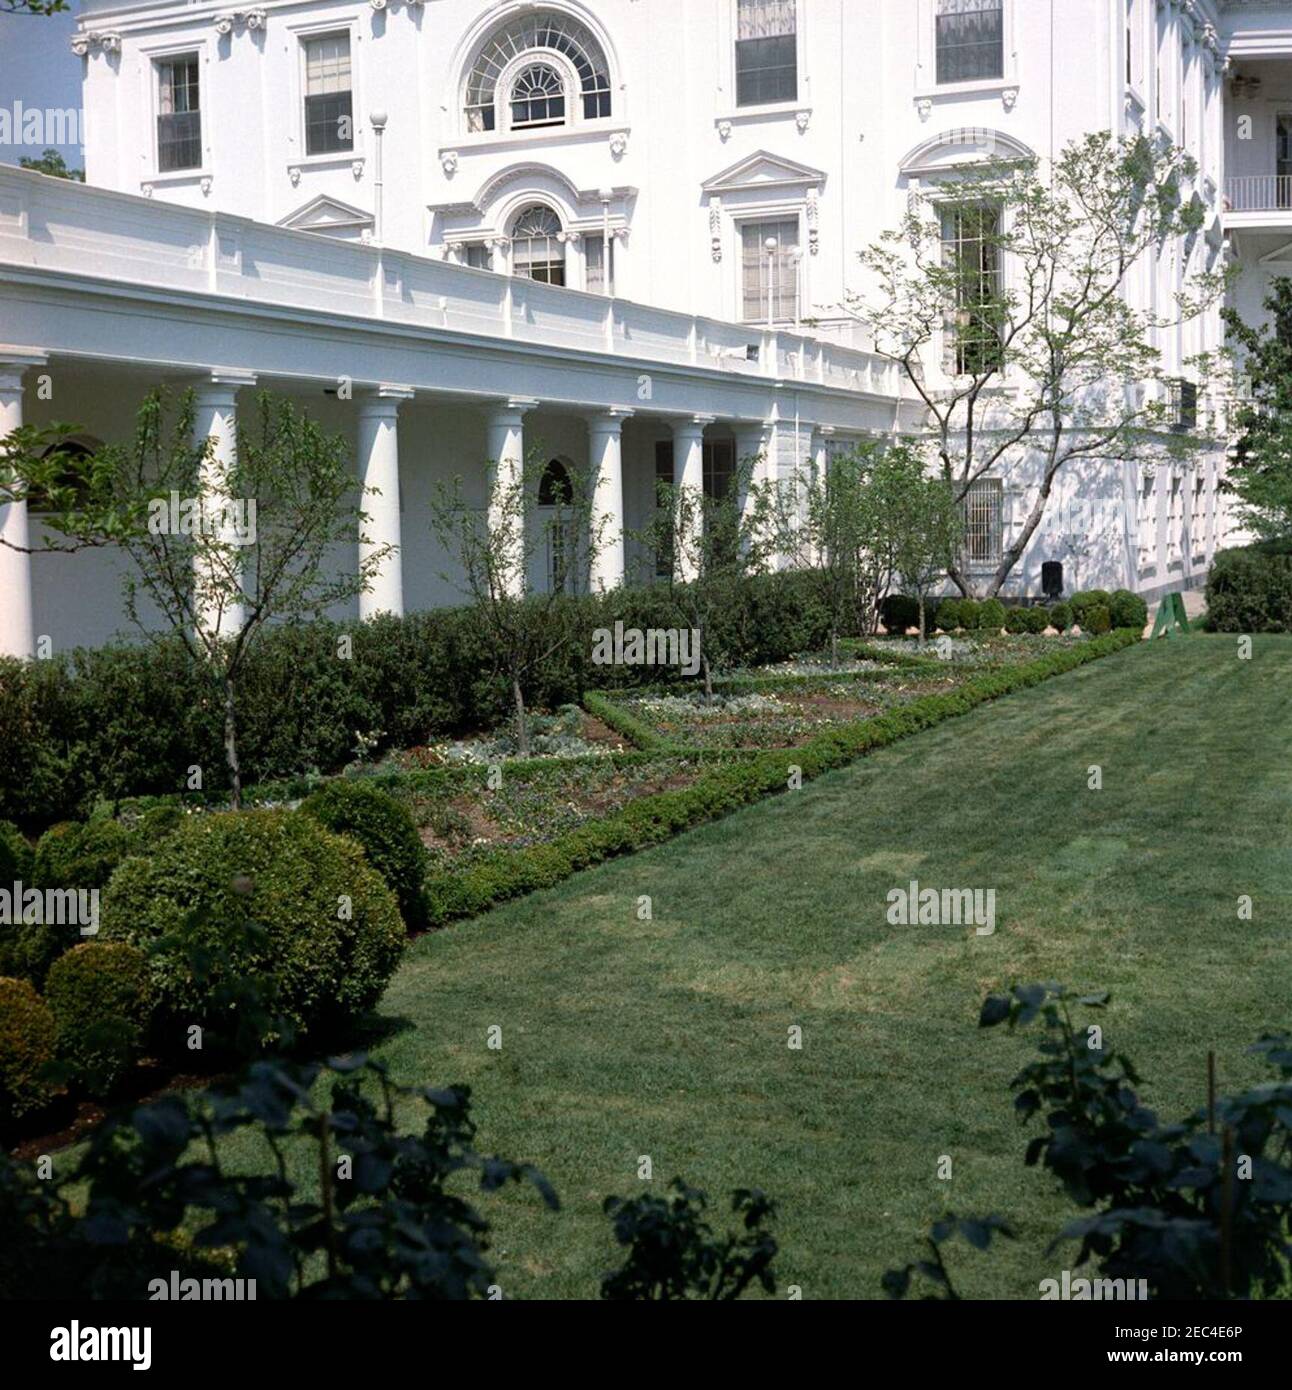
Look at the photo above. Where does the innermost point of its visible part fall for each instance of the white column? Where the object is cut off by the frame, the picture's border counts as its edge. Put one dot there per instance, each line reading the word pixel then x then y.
pixel 379 465
pixel 505 449
pixel 821 437
pixel 752 444
pixel 606 460
pixel 688 477
pixel 215 403
pixel 17 631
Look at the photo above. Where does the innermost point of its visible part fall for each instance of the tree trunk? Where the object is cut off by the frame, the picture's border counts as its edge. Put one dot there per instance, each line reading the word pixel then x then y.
pixel 922 622
pixel 522 723
pixel 708 681
pixel 834 647
pixel 231 746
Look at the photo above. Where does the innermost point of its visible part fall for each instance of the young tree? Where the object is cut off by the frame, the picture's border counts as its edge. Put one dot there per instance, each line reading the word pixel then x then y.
pixel 1003 299
pixel 218 553
pixel 496 549
pixel 710 544
pixel 1262 477
pixel 928 532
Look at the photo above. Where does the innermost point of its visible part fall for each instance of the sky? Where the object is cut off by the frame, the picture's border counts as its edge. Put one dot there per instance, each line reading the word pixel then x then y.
pixel 38 69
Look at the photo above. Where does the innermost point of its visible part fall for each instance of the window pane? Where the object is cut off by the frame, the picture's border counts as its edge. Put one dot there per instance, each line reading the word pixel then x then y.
pixel 594 258
pixel 769 279
pixel 971 250
pixel 537 250
pixel 179 119
pixel 538 97
pixel 767 70
pixel 532 34
pixel 970 40
pixel 478 256
pixel 329 114
pixel 983 531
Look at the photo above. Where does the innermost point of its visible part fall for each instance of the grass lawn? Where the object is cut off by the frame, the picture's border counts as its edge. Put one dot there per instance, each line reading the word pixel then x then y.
pixel 667 1037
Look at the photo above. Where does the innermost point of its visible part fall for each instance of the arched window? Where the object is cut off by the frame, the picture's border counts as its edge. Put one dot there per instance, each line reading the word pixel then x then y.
pixel 537 251
pixel 569 73
pixel 554 487
pixel 71 477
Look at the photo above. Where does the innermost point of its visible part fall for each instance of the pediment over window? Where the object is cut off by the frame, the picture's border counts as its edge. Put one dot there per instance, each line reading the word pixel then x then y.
pixel 765 170
pixel 330 217
pixel 956 149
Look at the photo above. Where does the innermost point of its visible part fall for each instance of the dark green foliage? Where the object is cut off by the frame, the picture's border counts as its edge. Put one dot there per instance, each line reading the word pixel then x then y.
pixel 277 894
pixel 975 1231
pixel 673 1254
pixel 384 829
pixel 126 721
pixel 74 855
pixel 1062 616
pixel 898 613
pixel 1016 620
pixel 1037 619
pixel 948 615
pixel 397 1228
pixel 15 855
pixel 970 610
pixel 1170 1203
pixel 1128 610
pixel 1097 620
pixel 991 615
pixel 1250 590
pixel 454 893
pixel 99 994
pixel 1087 599
pixel 26 1048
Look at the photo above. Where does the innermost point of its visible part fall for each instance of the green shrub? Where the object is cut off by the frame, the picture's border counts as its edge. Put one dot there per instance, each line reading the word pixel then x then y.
pixel 898 613
pixel 1250 589
pixel 948 615
pixel 384 829
pixel 99 994
pixel 969 613
pixel 1098 620
pixel 1016 620
pixel 1062 616
pixel 27 1034
pixel 283 899
pixel 991 615
pixel 15 855
pixel 81 855
pixel 1128 610
pixel 1086 599
pixel 1037 619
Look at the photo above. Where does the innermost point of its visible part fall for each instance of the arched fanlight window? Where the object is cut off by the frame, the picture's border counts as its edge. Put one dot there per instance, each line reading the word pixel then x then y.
pixel 537 251
pixel 71 477
pixel 537 97
pixel 535 34
pixel 554 487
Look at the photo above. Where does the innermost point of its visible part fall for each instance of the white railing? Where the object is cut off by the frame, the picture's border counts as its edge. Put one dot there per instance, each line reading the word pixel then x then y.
pixel 55 225
pixel 1259 193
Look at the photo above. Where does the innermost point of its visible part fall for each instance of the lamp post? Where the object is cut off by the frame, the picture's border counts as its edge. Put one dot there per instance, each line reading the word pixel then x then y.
pixel 378 119
pixel 772 246
pixel 796 260
pixel 606 195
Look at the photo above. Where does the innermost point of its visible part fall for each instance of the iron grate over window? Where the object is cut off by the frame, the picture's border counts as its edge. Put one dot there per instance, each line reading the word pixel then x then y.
pixel 970 40
pixel 984 507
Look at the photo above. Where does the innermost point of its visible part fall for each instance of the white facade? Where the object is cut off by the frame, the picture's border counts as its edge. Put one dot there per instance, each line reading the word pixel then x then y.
pixel 313 191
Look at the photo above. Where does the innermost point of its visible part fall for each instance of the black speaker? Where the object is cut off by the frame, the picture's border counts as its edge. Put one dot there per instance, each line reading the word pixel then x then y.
pixel 1052 580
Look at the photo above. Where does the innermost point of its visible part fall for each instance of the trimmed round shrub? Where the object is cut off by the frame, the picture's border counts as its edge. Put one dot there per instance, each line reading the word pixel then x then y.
pixel 991 615
pixel 898 612
pixel 1037 619
pixel 385 830
pixel 27 1036
pixel 1086 599
pixel 969 611
pixel 15 855
pixel 1249 589
pixel 1097 620
pixel 948 615
pixel 1062 616
pixel 1016 620
pixel 99 994
pixel 1128 609
pixel 81 855
pixel 270 895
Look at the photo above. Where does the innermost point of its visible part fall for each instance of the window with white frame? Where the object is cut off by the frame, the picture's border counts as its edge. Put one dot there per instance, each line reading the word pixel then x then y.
pixel 1133 52
pixel 770 270
pixel 537 250
pixel 1146 520
pixel 595 248
pixel 984 520
pixel 971 253
pixel 767 52
pixel 179 114
pixel 539 70
pixel 1175 521
pixel 477 255
pixel 970 40
pixel 329 102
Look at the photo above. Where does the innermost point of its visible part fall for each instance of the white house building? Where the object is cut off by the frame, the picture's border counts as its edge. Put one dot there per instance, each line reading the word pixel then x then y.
pixel 613 232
